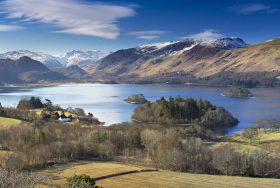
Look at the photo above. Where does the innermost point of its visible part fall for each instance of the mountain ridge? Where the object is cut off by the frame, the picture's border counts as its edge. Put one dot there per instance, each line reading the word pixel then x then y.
pixel 26 70
pixel 74 57
pixel 191 61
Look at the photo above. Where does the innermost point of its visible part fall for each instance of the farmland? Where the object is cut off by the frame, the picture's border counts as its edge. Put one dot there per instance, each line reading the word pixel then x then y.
pixel 154 179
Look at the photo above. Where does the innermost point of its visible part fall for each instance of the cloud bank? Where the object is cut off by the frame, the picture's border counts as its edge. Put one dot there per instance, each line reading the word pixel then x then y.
pixel 70 16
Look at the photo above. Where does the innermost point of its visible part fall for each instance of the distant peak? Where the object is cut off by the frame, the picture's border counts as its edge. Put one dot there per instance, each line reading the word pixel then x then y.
pixel 23 58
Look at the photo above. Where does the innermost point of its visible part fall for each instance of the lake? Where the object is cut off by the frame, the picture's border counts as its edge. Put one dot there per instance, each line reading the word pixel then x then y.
pixel 106 101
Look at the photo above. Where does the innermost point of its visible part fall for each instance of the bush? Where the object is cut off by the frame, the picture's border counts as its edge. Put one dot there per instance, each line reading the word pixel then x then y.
pixel 80 181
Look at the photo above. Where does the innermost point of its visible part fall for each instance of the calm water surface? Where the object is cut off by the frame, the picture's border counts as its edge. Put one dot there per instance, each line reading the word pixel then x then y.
pixel 106 101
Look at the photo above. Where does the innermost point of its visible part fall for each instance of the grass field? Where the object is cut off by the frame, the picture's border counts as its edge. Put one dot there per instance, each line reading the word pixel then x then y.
pixel 273 136
pixel 242 148
pixel 269 136
pixel 8 122
pixel 158 179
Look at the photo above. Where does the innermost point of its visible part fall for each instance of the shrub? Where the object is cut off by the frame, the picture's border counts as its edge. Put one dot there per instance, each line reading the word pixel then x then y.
pixel 80 181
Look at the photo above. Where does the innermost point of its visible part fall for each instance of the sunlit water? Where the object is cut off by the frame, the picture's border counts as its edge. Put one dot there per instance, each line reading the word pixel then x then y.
pixel 106 102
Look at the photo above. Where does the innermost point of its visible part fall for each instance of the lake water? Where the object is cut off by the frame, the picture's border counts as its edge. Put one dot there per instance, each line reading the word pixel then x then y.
pixel 106 101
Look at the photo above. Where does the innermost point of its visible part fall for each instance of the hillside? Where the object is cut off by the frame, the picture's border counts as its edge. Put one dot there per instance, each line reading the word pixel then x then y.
pixel 219 62
pixel 73 72
pixel 26 70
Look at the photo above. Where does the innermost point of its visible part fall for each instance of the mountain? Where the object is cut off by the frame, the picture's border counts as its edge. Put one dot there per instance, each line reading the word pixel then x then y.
pixel 75 57
pixel 48 60
pixel 81 58
pixel 26 70
pixel 73 72
pixel 221 62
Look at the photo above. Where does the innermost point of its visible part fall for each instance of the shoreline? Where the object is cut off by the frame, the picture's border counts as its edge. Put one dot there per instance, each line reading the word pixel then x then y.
pixel 50 84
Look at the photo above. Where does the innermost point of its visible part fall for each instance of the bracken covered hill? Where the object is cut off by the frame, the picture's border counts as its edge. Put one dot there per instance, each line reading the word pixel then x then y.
pixel 219 62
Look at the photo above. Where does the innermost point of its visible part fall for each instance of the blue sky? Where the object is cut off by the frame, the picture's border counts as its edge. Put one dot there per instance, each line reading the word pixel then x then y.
pixel 55 27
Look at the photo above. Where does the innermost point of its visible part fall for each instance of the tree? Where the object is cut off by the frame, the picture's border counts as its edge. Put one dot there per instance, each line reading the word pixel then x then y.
pixel 218 118
pixel 80 181
pixel 32 103
pixel 1 110
pixel 250 134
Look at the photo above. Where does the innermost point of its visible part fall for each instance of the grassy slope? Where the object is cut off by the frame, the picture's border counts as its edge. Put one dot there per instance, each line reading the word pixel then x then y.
pixel 151 179
pixel 8 122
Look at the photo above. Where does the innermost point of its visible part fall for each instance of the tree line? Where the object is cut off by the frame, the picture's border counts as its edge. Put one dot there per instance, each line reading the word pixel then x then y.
pixel 177 148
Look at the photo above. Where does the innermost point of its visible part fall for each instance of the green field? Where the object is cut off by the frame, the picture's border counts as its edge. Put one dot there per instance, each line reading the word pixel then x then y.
pixel 8 122
pixel 157 179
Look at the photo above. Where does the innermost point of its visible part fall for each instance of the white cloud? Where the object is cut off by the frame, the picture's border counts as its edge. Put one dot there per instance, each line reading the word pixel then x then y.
pixel 206 35
pixel 253 8
pixel 70 16
pixel 4 27
pixel 148 37
pixel 148 34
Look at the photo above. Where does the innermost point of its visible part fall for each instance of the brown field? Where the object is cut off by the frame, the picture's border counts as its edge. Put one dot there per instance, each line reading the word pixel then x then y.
pixel 157 179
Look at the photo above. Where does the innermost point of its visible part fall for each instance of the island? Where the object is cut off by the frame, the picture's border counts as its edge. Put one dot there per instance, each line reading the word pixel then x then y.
pixel 136 99
pixel 237 92
pixel 182 111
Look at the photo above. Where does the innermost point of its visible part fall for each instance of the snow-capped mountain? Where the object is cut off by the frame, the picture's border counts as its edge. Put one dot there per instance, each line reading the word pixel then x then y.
pixel 227 43
pixel 159 58
pixel 74 57
pixel 81 58
pixel 48 60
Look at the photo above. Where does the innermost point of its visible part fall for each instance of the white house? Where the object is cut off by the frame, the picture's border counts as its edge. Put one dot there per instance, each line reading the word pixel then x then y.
pixel 66 119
